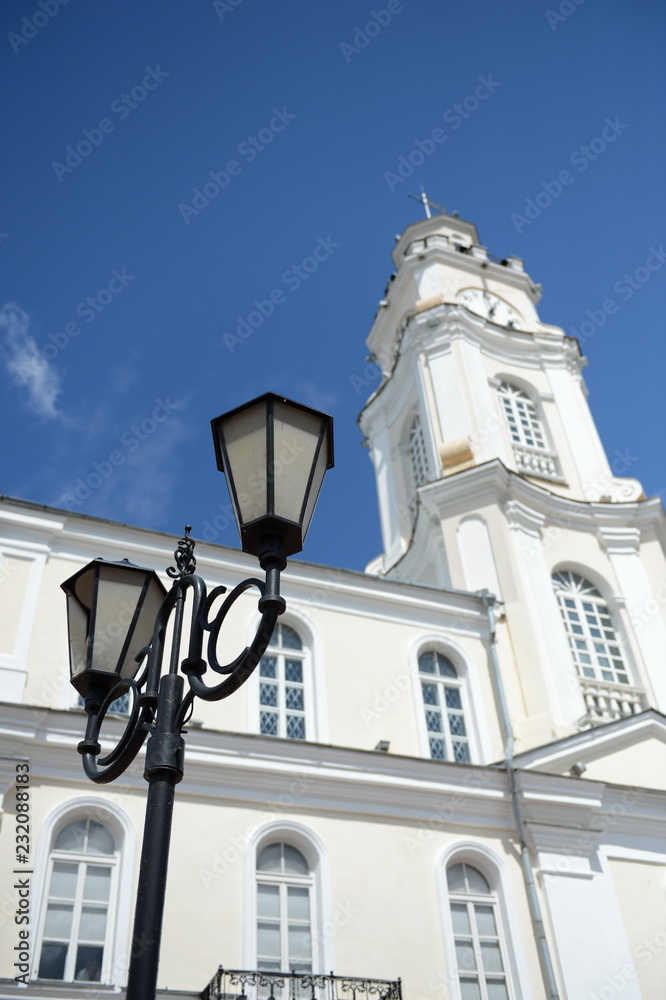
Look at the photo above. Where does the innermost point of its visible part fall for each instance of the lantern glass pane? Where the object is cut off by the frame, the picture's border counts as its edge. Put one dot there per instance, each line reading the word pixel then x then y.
pixel 244 436
pixel 317 480
pixel 296 433
pixel 78 617
pixel 143 630
pixel 118 595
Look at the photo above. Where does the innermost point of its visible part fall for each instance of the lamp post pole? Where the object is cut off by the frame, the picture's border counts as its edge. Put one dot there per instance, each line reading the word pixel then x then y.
pixel 162 702
pixel 164 769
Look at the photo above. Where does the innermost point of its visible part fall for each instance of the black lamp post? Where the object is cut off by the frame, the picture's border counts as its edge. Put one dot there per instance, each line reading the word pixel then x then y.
pixel 275 454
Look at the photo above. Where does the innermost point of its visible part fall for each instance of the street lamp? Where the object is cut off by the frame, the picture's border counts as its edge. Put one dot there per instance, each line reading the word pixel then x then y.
pixel 275 454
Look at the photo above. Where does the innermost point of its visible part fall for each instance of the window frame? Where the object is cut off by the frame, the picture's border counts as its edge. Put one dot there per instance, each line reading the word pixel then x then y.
pixel 494 869
pixel 534 460
pixel 316 724
pixel 285 881
pixel 578 599
pixel 470 900
pixel 281 683
pixel 442 682
pixel 479 726
pixel 121 903
pixel 536 420
pixel 321 911
pixel 419 456
pixel 83 860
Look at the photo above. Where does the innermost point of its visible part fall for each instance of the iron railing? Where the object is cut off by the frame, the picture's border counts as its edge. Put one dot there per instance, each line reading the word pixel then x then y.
pixel 235 984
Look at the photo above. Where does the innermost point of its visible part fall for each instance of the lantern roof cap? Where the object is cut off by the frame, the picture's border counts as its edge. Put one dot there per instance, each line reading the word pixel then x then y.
pixel 279 399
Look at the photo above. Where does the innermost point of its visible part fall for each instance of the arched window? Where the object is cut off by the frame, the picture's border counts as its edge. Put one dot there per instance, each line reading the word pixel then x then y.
pixel 592 639
pixel 75 934
pixel 442 701
pixel 284 910
pixel 282 695
pixel 528 437
pixel 521 416
pixel 417 453
pixel 480 953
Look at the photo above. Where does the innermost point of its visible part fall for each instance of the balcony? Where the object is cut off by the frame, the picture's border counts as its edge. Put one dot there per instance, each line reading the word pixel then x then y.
pixel 234 984
pixel 536 462
pixel 606 702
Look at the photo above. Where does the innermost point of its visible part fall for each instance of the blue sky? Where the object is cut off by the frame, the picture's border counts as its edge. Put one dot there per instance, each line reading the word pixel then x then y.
pixel 121 296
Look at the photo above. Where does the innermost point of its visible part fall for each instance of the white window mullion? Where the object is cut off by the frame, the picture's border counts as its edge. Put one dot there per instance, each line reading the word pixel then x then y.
pixel 442 692
pixel 483 971
pixel 96 867
pixel 287 874
pixel 282 686
pixel 417 453
pixel 284 929
pixel 70 965
pixel 595 647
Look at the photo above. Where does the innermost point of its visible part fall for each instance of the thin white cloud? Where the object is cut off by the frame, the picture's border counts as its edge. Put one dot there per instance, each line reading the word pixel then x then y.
pixel 138 484
pixel 24 362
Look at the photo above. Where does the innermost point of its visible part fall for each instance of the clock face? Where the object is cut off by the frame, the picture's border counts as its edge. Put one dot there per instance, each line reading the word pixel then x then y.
pixel 490 307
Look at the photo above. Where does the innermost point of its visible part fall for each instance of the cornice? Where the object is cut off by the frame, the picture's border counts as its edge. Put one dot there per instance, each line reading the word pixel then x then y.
pixel 491 482
pixel 477 263
pixel 423 228
pixel 619 540
pixel 432 329
pixel 82 537
pixel 522 517
pixel 597 742
pixel 254 771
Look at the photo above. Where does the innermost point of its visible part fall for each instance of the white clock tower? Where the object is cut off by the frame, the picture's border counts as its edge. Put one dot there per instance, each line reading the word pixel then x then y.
pixel 491 476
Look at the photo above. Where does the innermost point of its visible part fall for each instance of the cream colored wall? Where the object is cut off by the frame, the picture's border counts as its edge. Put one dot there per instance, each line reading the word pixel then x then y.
pixel 48 677
pixel 364 652
pixel 14 579
pixel 641 891
pixel 372 864
pixel 630 766
pixel 45 797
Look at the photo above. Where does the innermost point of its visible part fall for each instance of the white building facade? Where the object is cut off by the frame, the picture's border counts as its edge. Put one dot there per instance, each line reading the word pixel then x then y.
pixel 449 770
